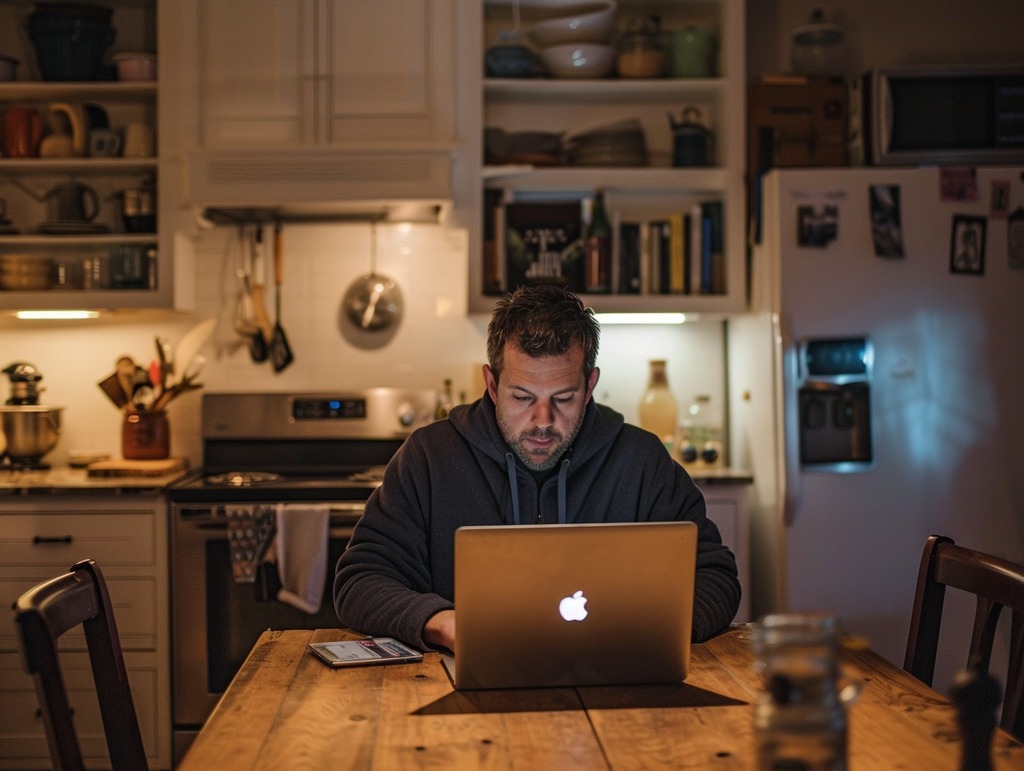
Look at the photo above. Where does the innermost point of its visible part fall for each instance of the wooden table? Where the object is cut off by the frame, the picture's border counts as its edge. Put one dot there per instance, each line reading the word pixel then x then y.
pixel 287 710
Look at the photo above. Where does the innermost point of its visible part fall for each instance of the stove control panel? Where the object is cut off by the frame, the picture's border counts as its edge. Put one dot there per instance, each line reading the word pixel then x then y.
pixel 329 409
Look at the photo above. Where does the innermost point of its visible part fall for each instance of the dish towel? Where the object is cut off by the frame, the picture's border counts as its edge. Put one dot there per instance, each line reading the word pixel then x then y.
pixel 301 546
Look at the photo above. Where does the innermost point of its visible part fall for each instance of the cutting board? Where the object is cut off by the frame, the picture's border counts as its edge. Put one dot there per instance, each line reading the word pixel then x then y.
pixel 137 468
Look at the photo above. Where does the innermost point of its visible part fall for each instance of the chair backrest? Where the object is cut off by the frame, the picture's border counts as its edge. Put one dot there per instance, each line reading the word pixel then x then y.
pixel 42 615
pixel 996 583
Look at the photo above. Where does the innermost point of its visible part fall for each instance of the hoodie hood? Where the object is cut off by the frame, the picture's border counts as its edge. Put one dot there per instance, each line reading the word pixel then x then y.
pixel 477 423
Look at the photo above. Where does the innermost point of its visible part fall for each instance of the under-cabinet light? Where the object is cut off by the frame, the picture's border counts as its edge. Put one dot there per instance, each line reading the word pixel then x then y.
pixel 641 318
pixel 58 315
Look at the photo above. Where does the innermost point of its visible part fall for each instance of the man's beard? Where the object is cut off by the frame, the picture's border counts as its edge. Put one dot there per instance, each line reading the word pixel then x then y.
pixel 518 444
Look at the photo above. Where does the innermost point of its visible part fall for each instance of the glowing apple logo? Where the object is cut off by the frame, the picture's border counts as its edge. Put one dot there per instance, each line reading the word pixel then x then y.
pixel 573 608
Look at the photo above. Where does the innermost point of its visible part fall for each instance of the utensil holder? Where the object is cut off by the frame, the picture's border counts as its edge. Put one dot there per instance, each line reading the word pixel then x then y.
pixel 146 436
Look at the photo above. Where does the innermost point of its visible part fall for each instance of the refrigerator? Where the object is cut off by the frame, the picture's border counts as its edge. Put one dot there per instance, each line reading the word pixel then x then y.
pixel 876 389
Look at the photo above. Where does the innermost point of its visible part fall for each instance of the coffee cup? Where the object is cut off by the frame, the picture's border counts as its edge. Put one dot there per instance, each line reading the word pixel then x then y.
pixel 692 53
pixel 104 143
pixel 139 141
pixel 23 131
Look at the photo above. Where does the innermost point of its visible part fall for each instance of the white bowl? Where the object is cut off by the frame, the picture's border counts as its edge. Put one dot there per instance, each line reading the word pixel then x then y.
pixel 579 60
pixel 590 23
pixel 135 66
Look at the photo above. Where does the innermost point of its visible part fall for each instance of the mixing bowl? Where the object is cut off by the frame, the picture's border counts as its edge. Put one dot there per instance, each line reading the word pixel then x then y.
pixel 30 431
pixel 579 60
pixel 589 23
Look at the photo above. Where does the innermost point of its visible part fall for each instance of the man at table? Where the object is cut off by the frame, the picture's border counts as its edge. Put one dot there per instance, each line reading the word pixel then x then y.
pixel 535 448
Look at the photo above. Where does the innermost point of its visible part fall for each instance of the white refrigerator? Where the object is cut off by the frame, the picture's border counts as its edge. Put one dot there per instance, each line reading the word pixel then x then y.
pixel 919 275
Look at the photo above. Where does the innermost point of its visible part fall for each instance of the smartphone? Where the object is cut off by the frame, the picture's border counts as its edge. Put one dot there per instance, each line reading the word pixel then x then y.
pixel 372 650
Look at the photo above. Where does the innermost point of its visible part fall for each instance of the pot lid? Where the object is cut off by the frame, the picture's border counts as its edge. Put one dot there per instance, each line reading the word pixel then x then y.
pixel 817 31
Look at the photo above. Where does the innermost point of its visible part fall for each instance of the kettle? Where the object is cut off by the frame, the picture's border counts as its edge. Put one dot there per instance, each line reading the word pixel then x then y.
pixel 60 144
pixel 691 141
pixel 72 202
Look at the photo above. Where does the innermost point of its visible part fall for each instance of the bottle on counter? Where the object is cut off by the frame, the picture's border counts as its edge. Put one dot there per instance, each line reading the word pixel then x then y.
pixel 444 401
pixel 597 249
pixel 701 439
pixel 658 411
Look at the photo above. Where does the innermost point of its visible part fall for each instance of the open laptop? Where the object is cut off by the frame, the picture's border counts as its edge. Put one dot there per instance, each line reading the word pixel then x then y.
pixel 568 605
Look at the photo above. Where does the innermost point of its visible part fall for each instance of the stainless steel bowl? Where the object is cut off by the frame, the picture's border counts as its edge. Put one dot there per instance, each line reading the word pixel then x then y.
pixel 30 431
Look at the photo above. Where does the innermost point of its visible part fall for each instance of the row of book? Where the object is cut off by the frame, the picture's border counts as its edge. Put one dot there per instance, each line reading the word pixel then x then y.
pixel 531 242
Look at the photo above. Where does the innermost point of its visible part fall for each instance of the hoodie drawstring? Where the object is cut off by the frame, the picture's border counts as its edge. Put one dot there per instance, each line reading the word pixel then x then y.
pixel 563 469
pixel 510 463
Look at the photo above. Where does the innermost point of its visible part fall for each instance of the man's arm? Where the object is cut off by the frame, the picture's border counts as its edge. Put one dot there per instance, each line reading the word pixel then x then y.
pixel 439 631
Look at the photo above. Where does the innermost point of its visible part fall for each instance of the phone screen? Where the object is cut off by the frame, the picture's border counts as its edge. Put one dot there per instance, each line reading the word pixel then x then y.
pixel 373 650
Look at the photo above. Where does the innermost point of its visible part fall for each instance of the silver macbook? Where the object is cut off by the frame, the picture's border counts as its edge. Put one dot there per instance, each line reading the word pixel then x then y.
pixel 567 605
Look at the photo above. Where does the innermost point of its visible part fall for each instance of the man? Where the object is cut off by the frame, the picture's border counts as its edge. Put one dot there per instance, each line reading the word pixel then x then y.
pixel 535 448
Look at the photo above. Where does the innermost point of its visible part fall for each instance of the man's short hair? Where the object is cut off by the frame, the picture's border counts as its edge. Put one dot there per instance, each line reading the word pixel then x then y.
pixel 543 320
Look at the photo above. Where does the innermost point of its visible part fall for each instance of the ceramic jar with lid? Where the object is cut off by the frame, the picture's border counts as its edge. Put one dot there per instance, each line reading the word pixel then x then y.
pixel 641 51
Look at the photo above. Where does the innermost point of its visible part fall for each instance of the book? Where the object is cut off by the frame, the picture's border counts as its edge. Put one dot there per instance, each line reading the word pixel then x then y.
pixel 630 257
pixel 543 243
pixel 494 269
pixel 676 254
pixel 713 254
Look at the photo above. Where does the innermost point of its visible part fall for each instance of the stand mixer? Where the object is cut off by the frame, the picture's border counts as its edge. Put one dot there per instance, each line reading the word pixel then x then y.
pixel 29 430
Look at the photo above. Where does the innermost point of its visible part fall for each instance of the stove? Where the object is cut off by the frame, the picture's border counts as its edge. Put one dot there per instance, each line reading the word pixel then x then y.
pixel 260 450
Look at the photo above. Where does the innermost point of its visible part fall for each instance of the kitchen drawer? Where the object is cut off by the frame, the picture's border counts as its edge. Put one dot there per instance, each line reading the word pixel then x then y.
pixel 135 604
pixel 22 739
pixel 59 540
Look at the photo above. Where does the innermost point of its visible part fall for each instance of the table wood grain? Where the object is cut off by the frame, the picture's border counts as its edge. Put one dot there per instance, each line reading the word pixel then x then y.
pixel 287 710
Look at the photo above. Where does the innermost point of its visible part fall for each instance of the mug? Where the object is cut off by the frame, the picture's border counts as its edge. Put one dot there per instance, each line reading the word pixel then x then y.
pixel 104 143
pixel 72 202
pixel 692 53
pixel 139 141
pixel 23 131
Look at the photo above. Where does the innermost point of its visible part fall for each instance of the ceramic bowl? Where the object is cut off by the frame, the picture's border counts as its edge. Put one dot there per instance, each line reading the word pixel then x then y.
pixel 511 61
pixel 589 23
pixel 579 60
pixel 133 66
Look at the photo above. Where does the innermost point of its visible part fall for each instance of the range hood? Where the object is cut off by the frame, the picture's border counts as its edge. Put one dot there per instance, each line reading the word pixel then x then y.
pixel 349 179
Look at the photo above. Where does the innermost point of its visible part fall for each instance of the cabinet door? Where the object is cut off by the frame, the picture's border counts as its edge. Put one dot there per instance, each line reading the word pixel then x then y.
pixel 256 68
pixel 389 69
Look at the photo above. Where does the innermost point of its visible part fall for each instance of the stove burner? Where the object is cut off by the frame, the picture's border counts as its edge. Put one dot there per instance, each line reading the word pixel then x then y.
pixel 243 478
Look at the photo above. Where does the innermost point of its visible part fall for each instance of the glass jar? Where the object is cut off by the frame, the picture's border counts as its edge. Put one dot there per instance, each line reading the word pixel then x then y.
pixel 701 439
pixel 658 411
pixel 146 436
pixel 800 710
pixel 641 53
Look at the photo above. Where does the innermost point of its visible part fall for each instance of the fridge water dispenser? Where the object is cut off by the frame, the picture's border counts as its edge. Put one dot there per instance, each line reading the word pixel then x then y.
pixel 834 392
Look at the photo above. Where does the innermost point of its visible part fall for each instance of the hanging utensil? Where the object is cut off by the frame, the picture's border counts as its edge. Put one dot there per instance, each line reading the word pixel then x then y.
pixel 373 302
pixel 245 324
pixel 260 340
pixel 280 352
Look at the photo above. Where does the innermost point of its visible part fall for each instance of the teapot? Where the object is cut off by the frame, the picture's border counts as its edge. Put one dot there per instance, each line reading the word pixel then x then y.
pixel 691 141
pixel 60 144
pixel 72 202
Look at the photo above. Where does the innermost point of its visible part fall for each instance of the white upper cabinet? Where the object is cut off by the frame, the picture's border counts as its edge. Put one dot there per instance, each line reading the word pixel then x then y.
pixel 316 99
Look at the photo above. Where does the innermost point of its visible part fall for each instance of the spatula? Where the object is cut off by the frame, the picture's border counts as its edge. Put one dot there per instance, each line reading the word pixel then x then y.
pixel 280 352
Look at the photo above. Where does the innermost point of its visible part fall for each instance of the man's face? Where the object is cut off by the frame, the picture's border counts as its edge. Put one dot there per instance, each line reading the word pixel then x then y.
pixel 539 403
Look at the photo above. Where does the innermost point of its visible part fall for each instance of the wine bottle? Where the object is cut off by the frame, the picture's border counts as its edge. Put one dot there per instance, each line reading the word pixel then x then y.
pixel 597 251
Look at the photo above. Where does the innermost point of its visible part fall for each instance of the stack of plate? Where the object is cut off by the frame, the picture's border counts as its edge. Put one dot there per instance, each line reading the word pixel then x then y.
pixel 616 144
pixel 24 273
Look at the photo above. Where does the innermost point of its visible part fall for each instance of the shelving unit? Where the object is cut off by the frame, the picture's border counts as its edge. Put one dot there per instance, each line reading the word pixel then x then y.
pixel 646 193
pixel 24 182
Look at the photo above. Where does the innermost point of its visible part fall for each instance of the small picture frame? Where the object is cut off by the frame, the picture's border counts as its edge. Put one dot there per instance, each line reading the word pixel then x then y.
pixel 967 245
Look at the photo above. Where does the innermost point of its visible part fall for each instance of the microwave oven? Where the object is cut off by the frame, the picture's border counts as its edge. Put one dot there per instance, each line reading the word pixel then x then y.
pixel 939 115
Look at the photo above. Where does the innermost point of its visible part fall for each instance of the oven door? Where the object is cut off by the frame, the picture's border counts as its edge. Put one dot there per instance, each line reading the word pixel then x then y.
pixel 216 621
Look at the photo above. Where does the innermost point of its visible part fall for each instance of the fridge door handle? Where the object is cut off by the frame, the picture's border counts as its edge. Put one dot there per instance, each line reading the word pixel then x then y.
pixel 786 354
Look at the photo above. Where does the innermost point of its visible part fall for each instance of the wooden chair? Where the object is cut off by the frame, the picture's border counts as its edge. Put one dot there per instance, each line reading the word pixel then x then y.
pixel 42 615
pixel 996 583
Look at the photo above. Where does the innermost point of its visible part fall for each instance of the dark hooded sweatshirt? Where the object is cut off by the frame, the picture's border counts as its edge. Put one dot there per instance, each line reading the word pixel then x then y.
pixel 398 569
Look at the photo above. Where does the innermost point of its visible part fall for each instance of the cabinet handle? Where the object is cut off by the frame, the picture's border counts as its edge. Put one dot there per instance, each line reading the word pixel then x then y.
pixel 51 539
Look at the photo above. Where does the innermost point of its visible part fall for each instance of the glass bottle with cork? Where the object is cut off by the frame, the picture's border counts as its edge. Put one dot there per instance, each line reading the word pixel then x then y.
pixel 658 411
pixel 597 249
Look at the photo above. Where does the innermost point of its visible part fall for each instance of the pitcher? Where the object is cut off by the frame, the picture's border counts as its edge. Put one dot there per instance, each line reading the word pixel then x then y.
pixel 72 202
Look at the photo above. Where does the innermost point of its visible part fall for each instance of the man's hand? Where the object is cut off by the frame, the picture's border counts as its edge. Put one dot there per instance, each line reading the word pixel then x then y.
pixel 439 630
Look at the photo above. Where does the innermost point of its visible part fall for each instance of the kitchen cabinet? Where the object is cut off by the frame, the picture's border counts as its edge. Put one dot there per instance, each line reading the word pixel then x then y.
pixel 728 507
pixel 648 193
pixel 316 99
pixel 113 269
pixel 127 535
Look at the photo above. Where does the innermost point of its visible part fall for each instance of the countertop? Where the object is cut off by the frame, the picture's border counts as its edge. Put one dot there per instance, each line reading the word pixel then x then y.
pixel 718 475
pixel 64 480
